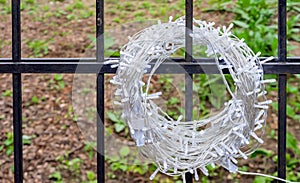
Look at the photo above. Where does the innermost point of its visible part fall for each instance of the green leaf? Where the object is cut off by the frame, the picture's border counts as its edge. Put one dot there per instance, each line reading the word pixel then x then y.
pixel 119 127
pixel 292 162
pixel 241 24
pixel 123 167
pixel 297 117
pixel 8 93
pixel 1 147
pixel 61 84
pixel 9 150
pixel 292 89
pixel 275 158
pixel 113 158
pixel 74 161
pixel 35 100
pixel 290 111
pixel 124 151
pixel 58 77
pixel 55 176
pixel 8 142
pixel 260 179
pixel 113 117
pixel 296 104
pixel 263 152
pixel 242 13
pixel 292 143
pixel 90 175
pixel 26 140
pixel 173 101
pixel 275 105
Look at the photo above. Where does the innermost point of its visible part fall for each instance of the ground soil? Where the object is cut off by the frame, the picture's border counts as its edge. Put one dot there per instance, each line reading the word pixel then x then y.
pixel 50 120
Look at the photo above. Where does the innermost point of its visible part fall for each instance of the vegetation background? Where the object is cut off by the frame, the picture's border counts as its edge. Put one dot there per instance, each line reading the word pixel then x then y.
pixel 56 149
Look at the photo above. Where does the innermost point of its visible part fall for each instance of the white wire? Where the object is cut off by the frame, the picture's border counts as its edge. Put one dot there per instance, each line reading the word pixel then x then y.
pixel 264 175
pixel 178 147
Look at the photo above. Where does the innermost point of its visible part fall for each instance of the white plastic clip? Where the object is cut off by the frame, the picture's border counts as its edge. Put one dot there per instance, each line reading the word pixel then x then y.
pixel 259 140
pixel 261 112
pixel 186 149
pixel 268 81
pixel 266 60
pixel 154 174
pixel 261 106
pixel 183 178
pixel 219 150
pixel 213 165
pixel 233 159
pixel 204 170
pixel 212 154
pixel 165 166
pixel 111 62
pixel 196 174
pixel 265 102
pixel 114 66
pixel 226 147
pixel 243 154
pixel 262 93
pixel 175 167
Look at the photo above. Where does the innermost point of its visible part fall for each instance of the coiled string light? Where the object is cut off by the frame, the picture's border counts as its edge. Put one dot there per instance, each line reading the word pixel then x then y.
pixel 178 147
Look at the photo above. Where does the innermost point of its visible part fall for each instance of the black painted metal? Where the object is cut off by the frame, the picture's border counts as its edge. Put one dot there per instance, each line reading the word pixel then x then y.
pixel 100 129
pixel 189 58
pixel 282 80
pixel 17 93
pixel 17 128
pixel 188 76
pixel 188 66
pixel 176 66
pixel 100 90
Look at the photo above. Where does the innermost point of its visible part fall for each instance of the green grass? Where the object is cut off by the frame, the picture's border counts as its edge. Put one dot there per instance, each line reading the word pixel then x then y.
pixel 91 177
pixel 56 177
pixel 5 7
pixel 78 4
pixel 7 93
pixel 119 124
pixel 8 144
pixel 38 47
pixel 90 148
pixel 59 79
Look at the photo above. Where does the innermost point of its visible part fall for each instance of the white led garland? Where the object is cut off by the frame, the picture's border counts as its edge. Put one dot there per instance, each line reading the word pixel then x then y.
pixel 179 147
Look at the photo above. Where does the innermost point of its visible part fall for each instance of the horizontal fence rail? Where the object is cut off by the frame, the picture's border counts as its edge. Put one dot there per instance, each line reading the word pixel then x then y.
pixel 174 66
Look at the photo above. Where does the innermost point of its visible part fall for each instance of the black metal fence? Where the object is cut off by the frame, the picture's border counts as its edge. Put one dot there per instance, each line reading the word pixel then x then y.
pixel 17 65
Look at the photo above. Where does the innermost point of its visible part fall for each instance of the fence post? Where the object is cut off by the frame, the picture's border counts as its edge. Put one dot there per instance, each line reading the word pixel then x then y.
pixel 282 79
pixel 17 92
pixel 188 77
pixel 100 91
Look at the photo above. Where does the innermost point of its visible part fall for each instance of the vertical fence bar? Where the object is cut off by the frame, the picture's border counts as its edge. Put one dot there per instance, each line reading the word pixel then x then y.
pixel 188 77
pixel 189 58
pixel 282 79
pixel 17 92
pixel 100 91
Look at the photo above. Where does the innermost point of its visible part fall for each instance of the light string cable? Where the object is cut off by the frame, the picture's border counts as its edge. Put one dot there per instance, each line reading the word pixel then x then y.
pixel 176 146
pixel 264 175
